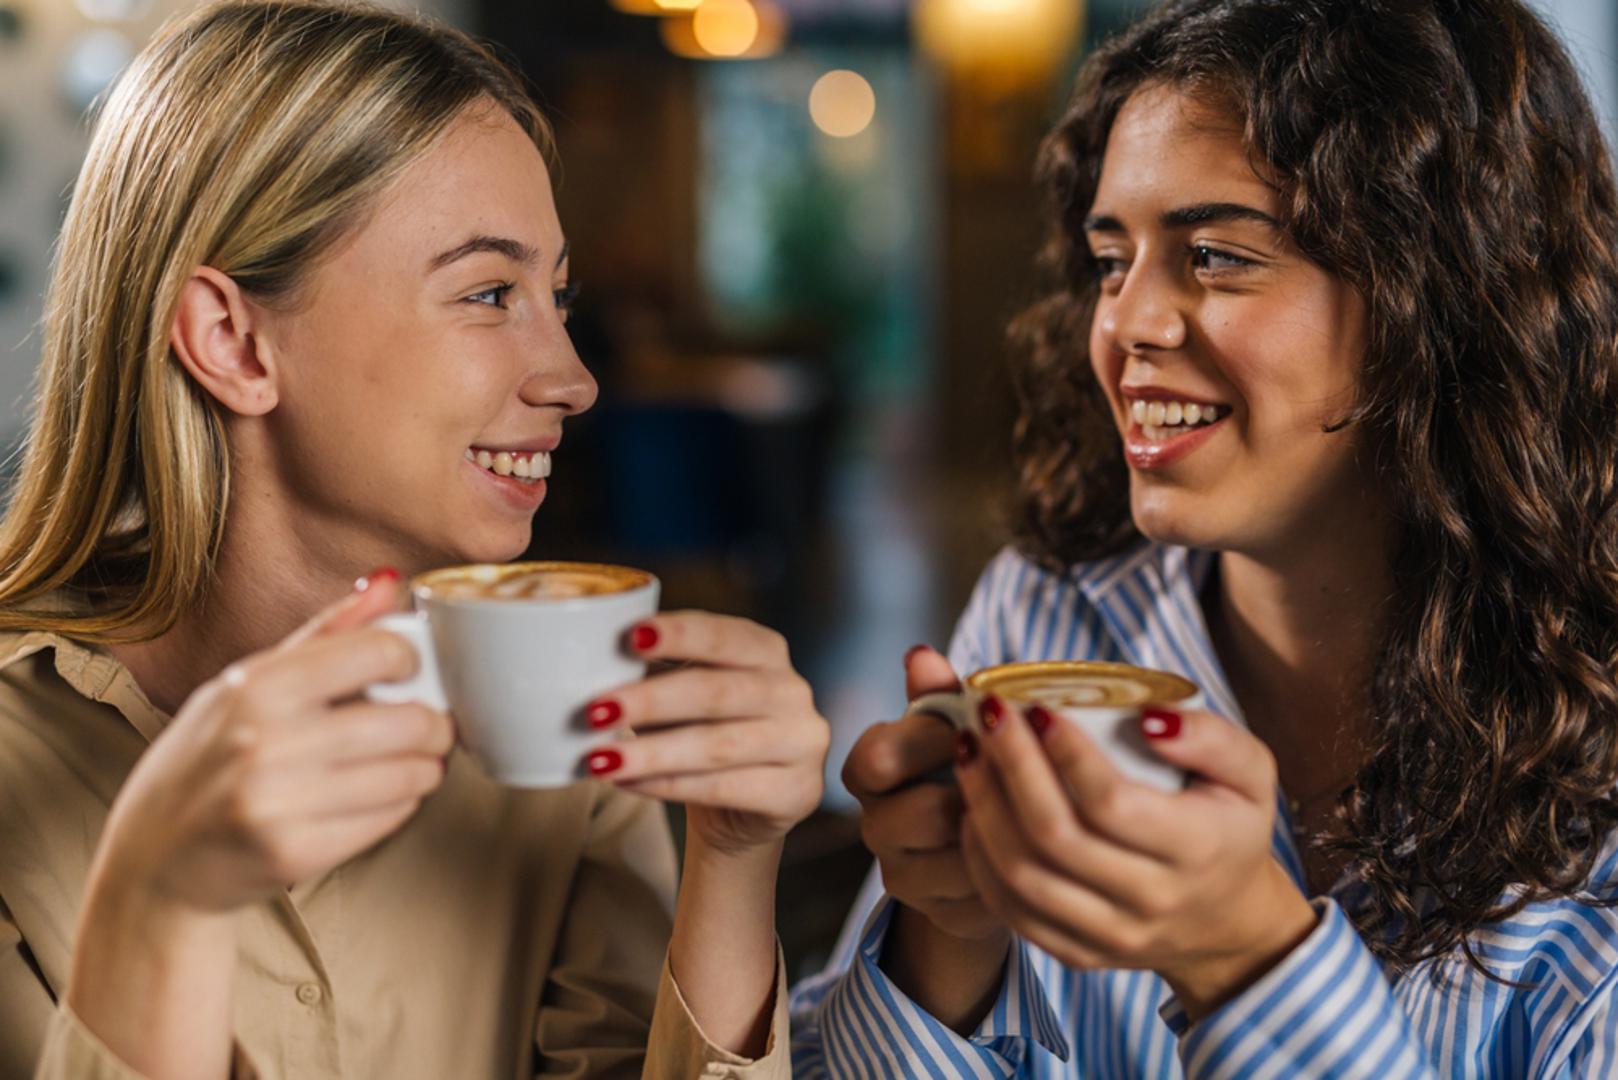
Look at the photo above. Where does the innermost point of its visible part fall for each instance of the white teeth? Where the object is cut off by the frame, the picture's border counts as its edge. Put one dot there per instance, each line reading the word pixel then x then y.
pixel 534 466
pixel 1164 417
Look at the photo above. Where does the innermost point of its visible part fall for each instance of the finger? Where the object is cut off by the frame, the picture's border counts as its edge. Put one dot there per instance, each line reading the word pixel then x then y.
pixel 374 595
pixel 331 667
pixel 370 785
pixel 1003 898
pixel 366 731
pixel 720 640
pixel 703 693
pixel 1149 822
pixel 928 878
pixel 707 748
pixel 924 817
pixel 893 754
pixel 1047 822
pixel 332 841
pixel 1213 750
pixel 927 672
pixel 762 790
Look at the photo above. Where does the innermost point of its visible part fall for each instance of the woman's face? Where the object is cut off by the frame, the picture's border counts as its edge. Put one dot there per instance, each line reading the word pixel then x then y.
pixel 1222 351
pixel 431 339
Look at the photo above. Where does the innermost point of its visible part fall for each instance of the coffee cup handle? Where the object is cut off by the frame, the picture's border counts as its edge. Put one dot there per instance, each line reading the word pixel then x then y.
pixel 958 708
pixel 425 687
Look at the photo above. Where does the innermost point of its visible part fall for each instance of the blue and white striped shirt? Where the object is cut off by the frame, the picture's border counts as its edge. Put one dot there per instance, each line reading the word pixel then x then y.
pixel 1327 1010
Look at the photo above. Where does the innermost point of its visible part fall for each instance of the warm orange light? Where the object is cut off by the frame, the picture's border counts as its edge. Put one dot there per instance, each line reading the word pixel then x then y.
pixel 637 7
pixel 842 103
pixel 681 36
pixel 1029 38
pixel 678 5
pixel 725 27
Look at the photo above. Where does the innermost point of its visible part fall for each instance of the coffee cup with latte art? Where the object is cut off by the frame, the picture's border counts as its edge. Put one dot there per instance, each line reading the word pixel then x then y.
pixel 516 653
pixel 1103 699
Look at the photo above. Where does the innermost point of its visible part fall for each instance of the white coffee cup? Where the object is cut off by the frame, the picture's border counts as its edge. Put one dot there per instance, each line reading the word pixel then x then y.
pixel 518 671
pixel 1103 699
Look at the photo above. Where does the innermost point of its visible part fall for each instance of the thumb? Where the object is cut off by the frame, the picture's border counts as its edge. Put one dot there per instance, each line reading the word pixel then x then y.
pixel 1211 749
pixel 927 672
pixel 374 595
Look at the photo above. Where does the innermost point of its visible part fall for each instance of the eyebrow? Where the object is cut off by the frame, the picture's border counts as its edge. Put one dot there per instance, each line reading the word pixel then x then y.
pixel 515 250
pixel 1187 216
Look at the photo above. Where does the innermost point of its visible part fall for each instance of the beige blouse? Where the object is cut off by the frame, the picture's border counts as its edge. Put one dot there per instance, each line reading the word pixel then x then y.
pixel 499 934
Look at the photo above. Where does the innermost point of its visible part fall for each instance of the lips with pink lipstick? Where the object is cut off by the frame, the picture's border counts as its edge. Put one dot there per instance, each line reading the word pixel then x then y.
pixel 1165 426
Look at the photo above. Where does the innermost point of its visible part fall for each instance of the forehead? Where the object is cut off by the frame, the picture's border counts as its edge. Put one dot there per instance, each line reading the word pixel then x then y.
pixel 483 176
pixel 1168 148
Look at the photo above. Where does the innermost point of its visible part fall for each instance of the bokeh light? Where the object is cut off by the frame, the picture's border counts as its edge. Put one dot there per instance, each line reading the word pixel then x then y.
pixel 842 103
pixel 725 27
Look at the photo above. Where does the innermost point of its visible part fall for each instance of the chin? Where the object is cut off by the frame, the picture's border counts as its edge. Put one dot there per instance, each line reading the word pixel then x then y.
pixel 497 546
pixel 1173 517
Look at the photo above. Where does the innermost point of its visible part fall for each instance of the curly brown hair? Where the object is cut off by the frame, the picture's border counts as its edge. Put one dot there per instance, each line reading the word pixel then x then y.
pixel 1441 157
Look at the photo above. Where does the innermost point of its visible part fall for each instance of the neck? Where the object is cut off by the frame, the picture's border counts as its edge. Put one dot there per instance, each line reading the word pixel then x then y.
pixel 278 565
pixel 1297 633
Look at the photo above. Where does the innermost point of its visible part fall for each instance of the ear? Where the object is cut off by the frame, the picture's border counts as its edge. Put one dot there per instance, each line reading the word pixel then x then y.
pixel 215 337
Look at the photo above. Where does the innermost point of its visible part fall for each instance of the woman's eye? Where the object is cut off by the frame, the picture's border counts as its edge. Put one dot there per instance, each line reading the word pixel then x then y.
pixel 495 297
pixel 565 298
pixel 1216 261
pixel 1107 266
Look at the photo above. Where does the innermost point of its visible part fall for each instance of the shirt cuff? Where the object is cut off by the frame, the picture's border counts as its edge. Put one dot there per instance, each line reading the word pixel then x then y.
pixel 871 1028
pixel 1324 1010
pixel 679 1048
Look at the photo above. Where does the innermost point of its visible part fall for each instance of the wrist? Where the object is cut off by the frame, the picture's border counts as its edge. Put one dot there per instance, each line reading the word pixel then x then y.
pixel 751 861
pixel 1277 925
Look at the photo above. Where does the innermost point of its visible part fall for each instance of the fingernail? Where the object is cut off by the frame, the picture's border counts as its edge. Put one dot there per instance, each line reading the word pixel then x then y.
pixel 992 713
pixel 910 653
pixel 376 577
pixel 966 749
pixel 1156 723
pixel 1040 719
pixel 602 762
pixel 604 714
pixel 643 638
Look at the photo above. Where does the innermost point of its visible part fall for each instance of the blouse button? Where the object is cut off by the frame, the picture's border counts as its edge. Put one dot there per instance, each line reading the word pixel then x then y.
pixel 309 994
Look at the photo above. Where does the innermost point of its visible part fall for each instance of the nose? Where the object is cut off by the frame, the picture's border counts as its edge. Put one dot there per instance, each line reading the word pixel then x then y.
pixel 559 379
pixel 1145 316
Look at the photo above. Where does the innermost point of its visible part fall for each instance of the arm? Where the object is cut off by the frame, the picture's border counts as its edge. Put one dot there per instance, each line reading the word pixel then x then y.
pixel 1324 1010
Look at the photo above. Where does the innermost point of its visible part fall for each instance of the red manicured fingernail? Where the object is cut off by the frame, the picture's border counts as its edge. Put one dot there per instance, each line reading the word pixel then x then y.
pixel 966 748
pixel 1156 723
pixel 1040 719
pixel 604 714
pixel 376 577
pixel 992 713
pixel 643 638
pixel 603 762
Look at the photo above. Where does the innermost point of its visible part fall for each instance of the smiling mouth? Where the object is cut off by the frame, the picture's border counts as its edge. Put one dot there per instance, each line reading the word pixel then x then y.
pixel 531 467
pixel 1160 421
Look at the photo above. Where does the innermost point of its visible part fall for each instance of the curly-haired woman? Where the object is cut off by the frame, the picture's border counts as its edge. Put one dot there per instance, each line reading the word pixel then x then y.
pixel 1321 412
pixel 311 283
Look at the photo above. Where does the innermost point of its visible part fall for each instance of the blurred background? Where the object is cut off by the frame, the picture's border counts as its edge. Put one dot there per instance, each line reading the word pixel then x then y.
pixel 801 227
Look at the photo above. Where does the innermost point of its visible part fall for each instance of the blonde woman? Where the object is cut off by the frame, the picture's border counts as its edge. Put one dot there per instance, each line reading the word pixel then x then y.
pixel 312 260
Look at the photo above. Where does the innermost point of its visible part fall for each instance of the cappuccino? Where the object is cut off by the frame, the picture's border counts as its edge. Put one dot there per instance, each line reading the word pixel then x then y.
pixel 530 581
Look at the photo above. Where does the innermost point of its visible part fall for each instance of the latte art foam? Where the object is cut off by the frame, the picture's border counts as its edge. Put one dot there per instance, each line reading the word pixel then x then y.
pixel 531 581
pixel 1079 684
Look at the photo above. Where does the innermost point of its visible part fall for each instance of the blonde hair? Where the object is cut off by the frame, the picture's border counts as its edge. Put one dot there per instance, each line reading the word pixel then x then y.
pixel 249 136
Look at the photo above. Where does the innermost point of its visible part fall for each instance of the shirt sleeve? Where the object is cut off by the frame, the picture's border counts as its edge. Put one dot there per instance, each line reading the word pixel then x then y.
pixel 857 1022
pixel 680 1049
pixel 1325 1011
pixel 43 1039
